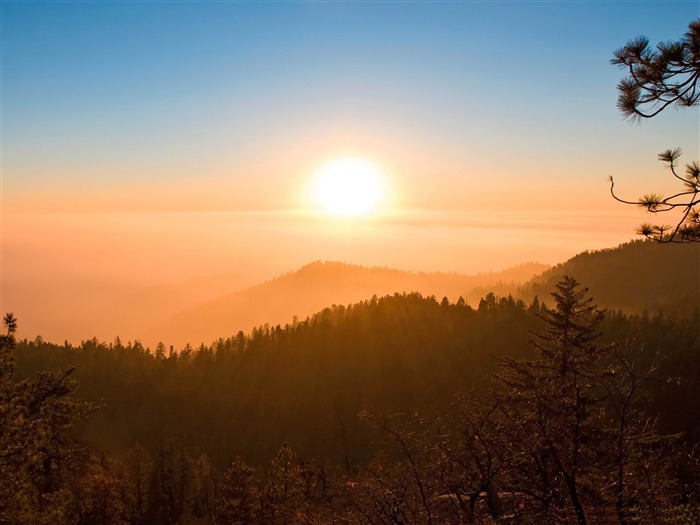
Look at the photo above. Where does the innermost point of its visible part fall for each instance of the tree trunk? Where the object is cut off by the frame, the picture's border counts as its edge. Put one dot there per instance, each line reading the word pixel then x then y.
pixel 575 501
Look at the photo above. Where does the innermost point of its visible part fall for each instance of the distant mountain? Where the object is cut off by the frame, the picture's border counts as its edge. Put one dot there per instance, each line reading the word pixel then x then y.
pixel 312 288
pixel 132 314
pixel 77 310
pixel 633 277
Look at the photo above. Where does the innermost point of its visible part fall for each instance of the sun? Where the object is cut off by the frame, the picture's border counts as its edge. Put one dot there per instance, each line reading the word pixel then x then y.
pixel 349 187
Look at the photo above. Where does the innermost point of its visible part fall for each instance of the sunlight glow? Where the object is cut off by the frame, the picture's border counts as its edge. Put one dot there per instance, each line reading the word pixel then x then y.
pixel 349 187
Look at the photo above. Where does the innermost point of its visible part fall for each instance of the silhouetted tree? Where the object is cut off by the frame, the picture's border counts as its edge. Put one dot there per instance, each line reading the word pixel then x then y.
pixel 417 461
pixel 470 465
pixel 550 402
pixel 100 495
pixel 687 228
pixel 283 497
pixel 139 469
pixel 630 427
pixel 238 499
pixel 35 451
pixel 661 77
pixel 658 78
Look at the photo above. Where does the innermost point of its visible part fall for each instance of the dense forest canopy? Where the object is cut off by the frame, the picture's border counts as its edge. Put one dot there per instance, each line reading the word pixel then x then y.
pixel 633 277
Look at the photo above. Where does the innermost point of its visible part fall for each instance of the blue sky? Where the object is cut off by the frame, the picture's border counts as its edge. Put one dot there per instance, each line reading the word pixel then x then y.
pixel 118 85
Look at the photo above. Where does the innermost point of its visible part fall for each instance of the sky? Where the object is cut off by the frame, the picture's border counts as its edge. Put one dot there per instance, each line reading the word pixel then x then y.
pixel 157 141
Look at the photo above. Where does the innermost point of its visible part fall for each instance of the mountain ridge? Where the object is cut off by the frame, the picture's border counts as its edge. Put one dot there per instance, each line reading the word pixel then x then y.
pixel 309 289
pixel 633 277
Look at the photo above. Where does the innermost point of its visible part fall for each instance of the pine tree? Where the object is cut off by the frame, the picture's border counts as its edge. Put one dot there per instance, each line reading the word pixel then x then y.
pixel 661 77
pixel 550 402
pixel 284 494
pixel 238 499
pixel 36 454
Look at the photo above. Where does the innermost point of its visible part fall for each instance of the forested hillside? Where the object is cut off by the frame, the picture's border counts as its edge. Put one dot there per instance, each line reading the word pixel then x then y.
pixel 632 277
pixel 247 394
pixel 342 390
pixel 636 276
pixel 310 289
pixel 340 387
pixel 627 278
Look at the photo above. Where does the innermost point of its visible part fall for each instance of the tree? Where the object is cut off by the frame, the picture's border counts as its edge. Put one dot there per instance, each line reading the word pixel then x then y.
pixel 139 469
pixel 660 77
pixel 238 501
pixel 470 466
pixel 99 494
pixel 550 402
pixel 687 228
pixel 284 495
pixel 638 456
pixel 567 433
pixel 36 454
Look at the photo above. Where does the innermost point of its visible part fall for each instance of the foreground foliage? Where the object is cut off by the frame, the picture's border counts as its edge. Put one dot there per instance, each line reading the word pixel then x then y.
pixel 658 78
pixel 38 460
